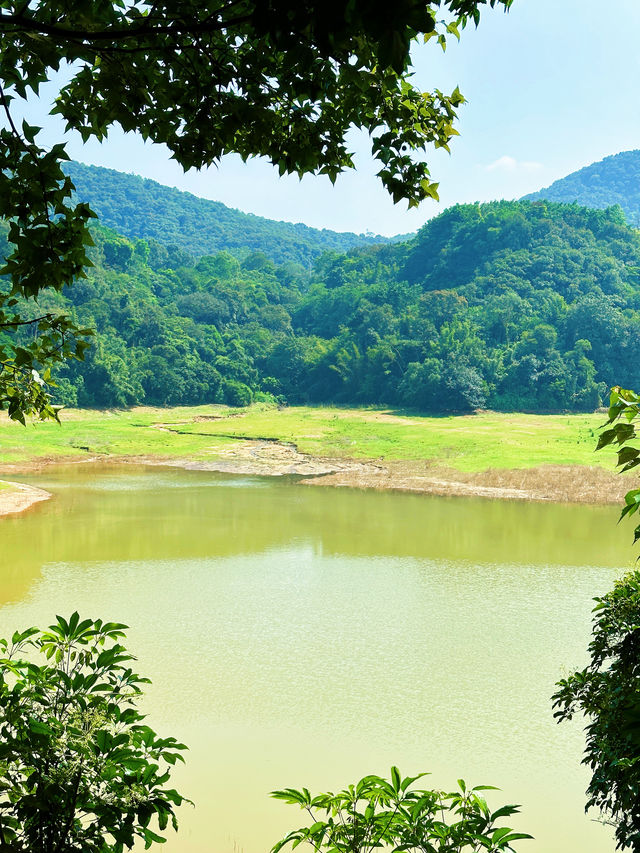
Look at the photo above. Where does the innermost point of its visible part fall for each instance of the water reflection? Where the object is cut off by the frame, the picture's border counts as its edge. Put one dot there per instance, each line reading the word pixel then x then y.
pixel 300 635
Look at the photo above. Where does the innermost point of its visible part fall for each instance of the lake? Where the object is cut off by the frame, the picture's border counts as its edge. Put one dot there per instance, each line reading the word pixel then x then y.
pixel 306 636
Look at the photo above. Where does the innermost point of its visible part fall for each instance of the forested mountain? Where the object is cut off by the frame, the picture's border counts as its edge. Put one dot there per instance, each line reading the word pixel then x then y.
pixel 509 305
pixel 614 180
pixel 141 208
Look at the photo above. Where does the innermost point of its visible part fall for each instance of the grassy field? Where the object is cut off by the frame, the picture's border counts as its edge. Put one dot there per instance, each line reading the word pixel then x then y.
pixel 466 443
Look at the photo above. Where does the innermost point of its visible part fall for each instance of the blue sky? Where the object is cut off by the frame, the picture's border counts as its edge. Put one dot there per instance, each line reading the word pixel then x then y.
pixel 551 86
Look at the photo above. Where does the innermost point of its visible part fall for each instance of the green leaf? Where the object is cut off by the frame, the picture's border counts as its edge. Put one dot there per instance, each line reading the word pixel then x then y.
pixel 396 779
pixel 39 727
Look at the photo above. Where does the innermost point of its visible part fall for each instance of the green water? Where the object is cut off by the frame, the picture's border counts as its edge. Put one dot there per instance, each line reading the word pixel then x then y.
pixel 308 636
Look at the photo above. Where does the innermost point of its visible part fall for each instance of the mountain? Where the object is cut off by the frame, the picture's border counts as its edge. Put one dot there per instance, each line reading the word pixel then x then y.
pixel 140 208
pixel 507 305
pixel 614 180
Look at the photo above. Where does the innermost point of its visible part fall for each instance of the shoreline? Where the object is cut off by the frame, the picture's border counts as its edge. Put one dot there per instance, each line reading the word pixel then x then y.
pixel 250 457
pixel 19 497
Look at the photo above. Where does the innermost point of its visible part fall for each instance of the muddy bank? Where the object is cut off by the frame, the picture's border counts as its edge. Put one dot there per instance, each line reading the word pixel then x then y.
pixel 250 457
pixel 558 483
pixel 561 483
pixel 19 497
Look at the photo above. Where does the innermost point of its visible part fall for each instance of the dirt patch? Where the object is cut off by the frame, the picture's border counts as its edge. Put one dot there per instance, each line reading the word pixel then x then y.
pixel 19 497
pixel 197 419
pixel 270 458
pixel 40 463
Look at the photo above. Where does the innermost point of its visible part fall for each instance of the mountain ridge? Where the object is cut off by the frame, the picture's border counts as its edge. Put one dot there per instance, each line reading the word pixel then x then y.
pixel 141 208
pixel 613 180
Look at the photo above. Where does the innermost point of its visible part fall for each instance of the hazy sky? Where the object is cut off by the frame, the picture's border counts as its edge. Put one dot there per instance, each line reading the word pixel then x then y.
pixel 551 86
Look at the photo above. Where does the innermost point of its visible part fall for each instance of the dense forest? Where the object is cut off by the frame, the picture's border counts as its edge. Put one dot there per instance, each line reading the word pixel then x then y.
pixel 614 180
pixel 507 305
pixel 141 208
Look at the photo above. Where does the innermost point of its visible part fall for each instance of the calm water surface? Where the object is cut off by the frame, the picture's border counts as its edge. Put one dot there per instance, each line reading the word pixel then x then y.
pixel 308 636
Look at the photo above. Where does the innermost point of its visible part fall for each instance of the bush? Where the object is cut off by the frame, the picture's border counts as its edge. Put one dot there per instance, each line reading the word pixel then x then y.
pixel 79 770
pixel 607 693
pixel 392 814
pixel 236 393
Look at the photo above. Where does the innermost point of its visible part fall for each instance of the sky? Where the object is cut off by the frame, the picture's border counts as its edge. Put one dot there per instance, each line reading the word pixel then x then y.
pixel 552 85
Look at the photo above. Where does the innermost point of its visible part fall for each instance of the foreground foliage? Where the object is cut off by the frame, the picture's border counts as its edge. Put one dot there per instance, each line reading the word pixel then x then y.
pixel 624 414
pixel 282 80
pixel 607 693
pixel 377 812
pixel 79 769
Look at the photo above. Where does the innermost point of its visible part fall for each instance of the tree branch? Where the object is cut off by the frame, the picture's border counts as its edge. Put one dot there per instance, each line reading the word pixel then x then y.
pixel 186 28
pixel 14 323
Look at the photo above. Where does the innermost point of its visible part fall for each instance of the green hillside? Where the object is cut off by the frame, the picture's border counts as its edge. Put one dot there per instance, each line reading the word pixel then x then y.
pixel 141 208
pixel 614 180
pixel 510 305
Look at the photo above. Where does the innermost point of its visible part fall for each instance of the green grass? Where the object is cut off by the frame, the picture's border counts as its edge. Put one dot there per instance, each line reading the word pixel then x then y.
pixel 467 443
pixel 90 433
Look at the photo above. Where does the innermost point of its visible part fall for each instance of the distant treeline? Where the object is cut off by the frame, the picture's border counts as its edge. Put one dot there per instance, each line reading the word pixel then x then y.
pixel 507 305
pixel 141 208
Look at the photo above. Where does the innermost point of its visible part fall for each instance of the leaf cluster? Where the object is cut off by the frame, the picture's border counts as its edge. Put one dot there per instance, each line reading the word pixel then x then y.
pixel 624 410
pixel 49 238
pixel 607 694
pixel 79 768
pixel 393 814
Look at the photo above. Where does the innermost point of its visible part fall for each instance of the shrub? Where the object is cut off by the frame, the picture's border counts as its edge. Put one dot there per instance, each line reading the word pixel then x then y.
pixel 79 769
pixel 376 813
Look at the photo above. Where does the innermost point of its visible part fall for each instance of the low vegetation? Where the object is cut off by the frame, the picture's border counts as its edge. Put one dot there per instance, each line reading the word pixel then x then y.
pixel 468 443
pixel 394 815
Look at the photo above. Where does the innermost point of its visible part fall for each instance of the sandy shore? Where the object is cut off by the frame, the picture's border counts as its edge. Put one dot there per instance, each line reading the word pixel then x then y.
pixel 560 483
pixel 19 497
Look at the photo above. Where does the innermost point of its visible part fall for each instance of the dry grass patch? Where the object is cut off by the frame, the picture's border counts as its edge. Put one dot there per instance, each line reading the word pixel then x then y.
pixel 560 483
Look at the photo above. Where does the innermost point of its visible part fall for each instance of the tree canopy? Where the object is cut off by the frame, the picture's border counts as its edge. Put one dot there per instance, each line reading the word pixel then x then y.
pixel 606 693
pixel 506 305
pixel 281 79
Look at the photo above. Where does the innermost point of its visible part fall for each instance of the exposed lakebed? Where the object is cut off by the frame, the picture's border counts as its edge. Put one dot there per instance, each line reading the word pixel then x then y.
pixel 310 636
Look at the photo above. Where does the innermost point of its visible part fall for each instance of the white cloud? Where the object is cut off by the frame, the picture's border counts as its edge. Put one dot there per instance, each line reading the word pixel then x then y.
pixel 510 164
